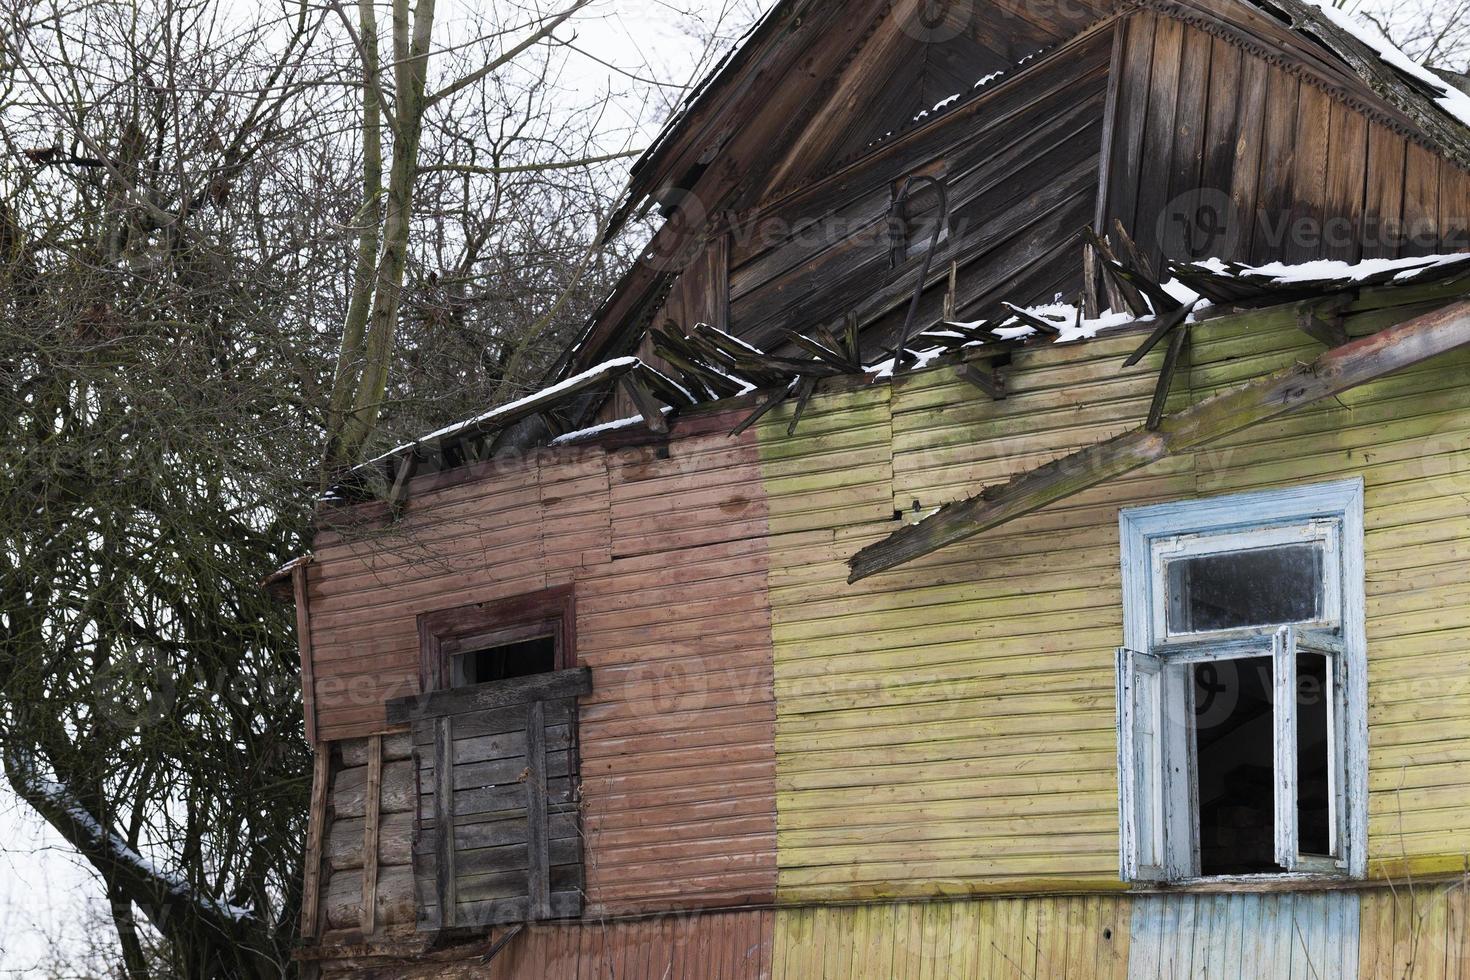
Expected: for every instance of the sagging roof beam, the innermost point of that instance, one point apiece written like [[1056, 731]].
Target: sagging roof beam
[[1368, 359]]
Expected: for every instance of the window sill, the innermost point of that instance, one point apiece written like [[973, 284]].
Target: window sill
[[1284, 882]]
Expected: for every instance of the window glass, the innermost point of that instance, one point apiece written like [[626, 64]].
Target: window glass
[[1235, 589]]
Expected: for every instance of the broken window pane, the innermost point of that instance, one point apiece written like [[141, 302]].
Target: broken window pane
[[524, 658], [1314, 762], [1235, 755], [1262, 587]]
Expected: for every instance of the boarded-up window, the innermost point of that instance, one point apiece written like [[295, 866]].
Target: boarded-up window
[[494, 734]]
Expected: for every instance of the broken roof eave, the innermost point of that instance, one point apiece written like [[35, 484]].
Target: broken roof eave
[[1416, 339], [721, 374], [1407, 98]]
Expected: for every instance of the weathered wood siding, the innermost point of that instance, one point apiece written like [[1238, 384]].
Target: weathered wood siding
[[676, 741], [724, 945], [1021, 165], [1081, 937], [1264, 163], [677, 760], [513, 528], [951, 725], [1381, 934], [1299, 936]]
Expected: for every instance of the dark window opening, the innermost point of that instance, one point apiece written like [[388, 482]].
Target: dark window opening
[[523, 658], [1235, 755], [1314, 755], [1235, 589]]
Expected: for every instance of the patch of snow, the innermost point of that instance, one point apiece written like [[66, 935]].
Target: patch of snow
[[1454, 102], [545, 394], [60, 797], [1336, 270], [602, 429], [1182, 293], [1090, 328]]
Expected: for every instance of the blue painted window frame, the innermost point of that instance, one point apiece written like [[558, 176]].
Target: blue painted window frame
[[1139, 528]]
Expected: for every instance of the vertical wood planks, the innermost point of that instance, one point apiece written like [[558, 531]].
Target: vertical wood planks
[[1309, 176], [1186, 168], [371, 815], [444, 821], [1159, 135], [311, 892], [1383, 205], [1347, 170], [1454, 208], [984, 938], [1272, 936], [1132, 85], [1250, 122], [538, 875], [1278, 161], [1421, 201], [1308, 182]]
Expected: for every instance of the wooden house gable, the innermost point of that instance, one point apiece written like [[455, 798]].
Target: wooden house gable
[[800, 189]]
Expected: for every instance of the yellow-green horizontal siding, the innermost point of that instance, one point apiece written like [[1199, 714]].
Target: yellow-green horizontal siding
[[1415, 932], [949, 726]]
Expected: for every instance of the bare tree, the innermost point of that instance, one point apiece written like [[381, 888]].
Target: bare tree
[[1435, 33], [192, 206]]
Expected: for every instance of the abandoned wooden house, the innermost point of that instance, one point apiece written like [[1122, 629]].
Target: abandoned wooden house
[[1013, 521]]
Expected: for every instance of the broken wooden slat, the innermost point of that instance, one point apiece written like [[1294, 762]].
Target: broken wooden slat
[[1128, 254], [538, 874], [311, 891], [987, 379], [665, 387], [1122, 296], [854, 343], [818, 350], [1167, 324], [766, 406], [647, 405], [444, 819], [1091, 301], [804, 394], [1338, 370], [1323, 320], [1166, 378], [1040, 324], [371, 811]]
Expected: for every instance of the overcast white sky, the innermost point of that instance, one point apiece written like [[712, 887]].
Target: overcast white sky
[[43, 887]]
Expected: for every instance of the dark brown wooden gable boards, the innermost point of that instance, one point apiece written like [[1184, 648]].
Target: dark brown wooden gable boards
[[1021, 168], [1310, 175]]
